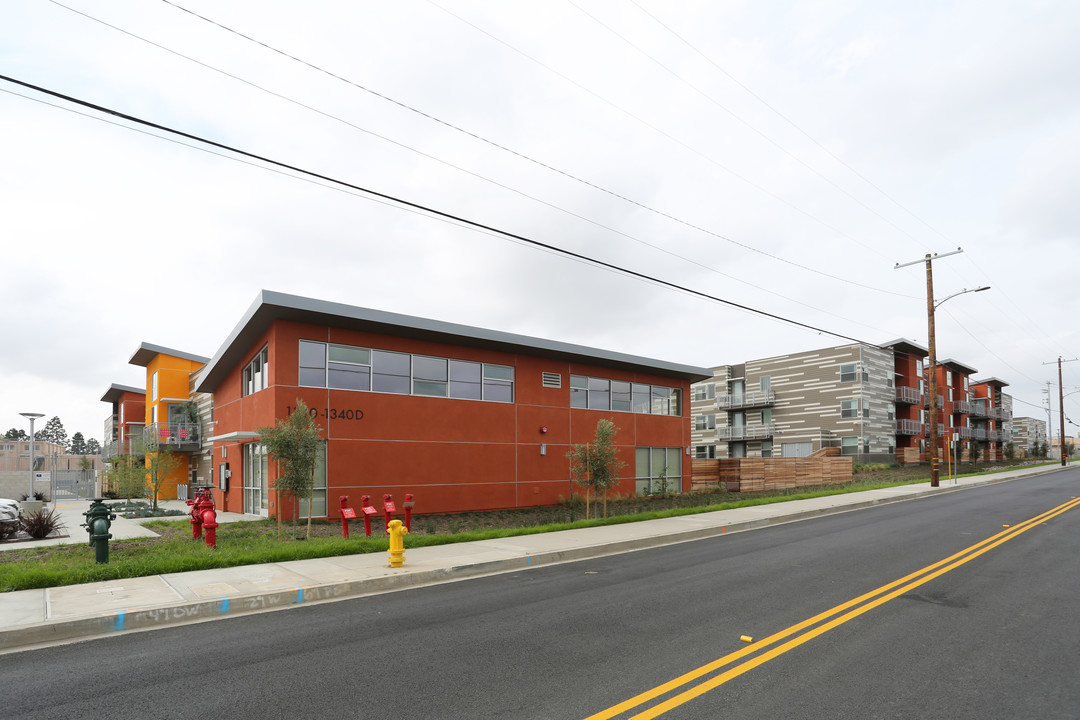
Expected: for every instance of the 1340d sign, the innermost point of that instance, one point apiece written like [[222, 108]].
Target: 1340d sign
[[330, 413]]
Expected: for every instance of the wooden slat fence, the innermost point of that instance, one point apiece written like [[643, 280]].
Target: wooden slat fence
[[756, 474]]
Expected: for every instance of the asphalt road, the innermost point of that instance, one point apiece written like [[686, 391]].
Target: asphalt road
[[992, 637]]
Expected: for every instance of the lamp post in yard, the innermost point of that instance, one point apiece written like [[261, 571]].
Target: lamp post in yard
[[931, 306], [32, 417]]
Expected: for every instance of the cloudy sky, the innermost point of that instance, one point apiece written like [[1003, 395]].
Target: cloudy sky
[[779, 155]]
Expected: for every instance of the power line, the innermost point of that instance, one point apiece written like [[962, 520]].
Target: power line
[[668, 136], [744, 122], [426, 209], [516, 153]]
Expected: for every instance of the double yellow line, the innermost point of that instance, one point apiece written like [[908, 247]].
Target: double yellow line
[[839, 614]]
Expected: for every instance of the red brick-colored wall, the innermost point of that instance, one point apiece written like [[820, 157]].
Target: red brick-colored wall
[[453, 455]]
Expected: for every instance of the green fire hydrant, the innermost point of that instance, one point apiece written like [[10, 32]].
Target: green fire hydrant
[[98, 521]]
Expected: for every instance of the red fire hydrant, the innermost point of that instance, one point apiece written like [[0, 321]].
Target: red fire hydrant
[[368, 511], [408, 505], [203, 516], [347, 513]]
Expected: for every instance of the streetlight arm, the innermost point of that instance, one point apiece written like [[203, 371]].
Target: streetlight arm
[[950, 297]]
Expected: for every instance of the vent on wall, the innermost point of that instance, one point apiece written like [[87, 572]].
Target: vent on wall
[[552, 380]]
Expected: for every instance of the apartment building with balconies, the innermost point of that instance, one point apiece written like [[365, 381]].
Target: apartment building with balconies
[[869, 401], [797, 404], [1025, 432], [123, 431]]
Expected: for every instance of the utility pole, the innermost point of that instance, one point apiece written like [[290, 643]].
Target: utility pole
[[932, 384], [1061, 408]]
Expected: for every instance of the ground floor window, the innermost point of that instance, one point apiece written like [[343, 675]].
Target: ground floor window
[[849, 445], [318, 488], [705, 452], [658, 470], [766, 448], [256, 479]]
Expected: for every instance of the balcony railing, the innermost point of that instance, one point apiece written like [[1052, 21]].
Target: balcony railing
[[979, 409], [940, 402], [997, 413], [909, 427], [908, 395], [963, 407], [182, 436], [134, 446], [978, 434], [965, 432], [732, 433], [750, 398]]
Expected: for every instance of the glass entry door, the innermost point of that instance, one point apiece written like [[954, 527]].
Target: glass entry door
[[256, 480]]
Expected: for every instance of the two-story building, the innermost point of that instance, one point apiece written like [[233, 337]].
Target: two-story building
[[464, 418]]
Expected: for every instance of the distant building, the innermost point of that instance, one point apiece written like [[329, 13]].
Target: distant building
[[1028, 431], [867, 401]]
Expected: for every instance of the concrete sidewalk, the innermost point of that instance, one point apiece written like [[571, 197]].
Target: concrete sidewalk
[[30, 618]]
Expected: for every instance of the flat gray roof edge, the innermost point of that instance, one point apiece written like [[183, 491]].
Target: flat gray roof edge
[[270, 306], [147, 351], [956, 363], [114, 391], [991, 381]]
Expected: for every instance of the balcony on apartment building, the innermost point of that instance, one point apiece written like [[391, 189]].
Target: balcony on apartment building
[[979, 409], [963, 407], [732, 433], [748, 399], [116, 448], [909, 395], [940, 402], [964, 432], [998, 414], [909, 427], [177, 436]]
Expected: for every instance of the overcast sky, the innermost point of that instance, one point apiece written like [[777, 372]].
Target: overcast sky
[[780, 155]]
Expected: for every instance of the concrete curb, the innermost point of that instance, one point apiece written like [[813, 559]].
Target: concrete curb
[[189, 611]]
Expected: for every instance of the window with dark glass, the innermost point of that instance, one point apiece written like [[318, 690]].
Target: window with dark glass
[[390, 372], [429, 376], [312, 363], [348, 368], [498, 383]]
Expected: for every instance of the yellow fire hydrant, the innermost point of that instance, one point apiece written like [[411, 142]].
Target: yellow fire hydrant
[[397, 531]]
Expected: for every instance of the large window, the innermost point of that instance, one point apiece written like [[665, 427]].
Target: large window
[[705, 422], [849, 408], [705, 452], [705, 391], [318, 488], [345, 367], [257, 372], [603, 394], [656, 466], [849, 445]]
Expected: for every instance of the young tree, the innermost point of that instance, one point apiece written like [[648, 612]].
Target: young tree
[[595, 465], [159, 469], [93, 447], [975, 452], [294, 444], [16, 434], [127, 477], [1010, 451], [78, 444]]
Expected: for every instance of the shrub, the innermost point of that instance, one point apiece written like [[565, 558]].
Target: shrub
[[38, 495], [9, 530], [41, 524]]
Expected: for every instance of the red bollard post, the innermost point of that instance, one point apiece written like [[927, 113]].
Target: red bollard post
[[388, 509], [408, 505], [368, 511], [347, 513]]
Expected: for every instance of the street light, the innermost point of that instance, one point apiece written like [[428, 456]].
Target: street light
[[930, 307], [32, 417]]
